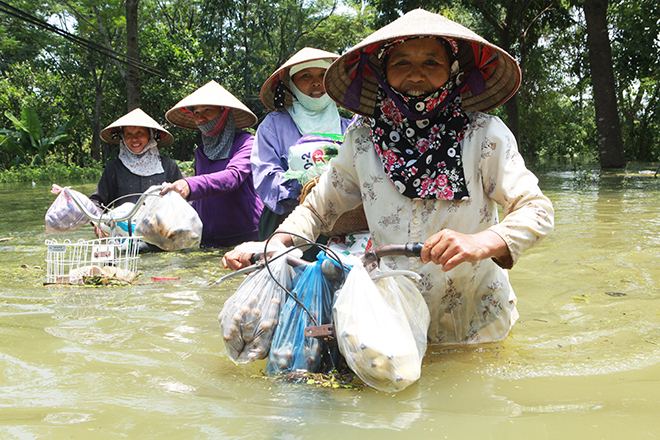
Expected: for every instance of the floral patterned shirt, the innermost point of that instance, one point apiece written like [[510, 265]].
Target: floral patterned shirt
[[473, 302]]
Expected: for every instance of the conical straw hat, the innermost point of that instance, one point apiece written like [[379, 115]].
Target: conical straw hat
[[282, 74], [136, 118], [210, 94], [352, 85]]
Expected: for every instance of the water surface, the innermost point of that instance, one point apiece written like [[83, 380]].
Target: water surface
[[148, 361]]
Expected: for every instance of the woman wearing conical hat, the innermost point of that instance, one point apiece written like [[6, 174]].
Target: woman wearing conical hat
[[295, 95], [429, 166], [222, 191], [139, 165]]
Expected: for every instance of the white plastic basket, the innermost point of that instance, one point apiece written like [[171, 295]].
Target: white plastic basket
[[70, 263]]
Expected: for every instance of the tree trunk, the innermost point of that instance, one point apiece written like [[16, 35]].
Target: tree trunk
[[96, 128], [610, 140], [94, 118], [133, 51]]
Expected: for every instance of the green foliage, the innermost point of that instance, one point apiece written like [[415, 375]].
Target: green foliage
[[187, 167], [635, 48], [248, 39], [52, 171], [27, 141], [556, 112], [18, 44], [239, 43], [339, 32]]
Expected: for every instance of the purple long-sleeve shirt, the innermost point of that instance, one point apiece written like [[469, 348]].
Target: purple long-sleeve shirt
[[270, 160], [224, 197]]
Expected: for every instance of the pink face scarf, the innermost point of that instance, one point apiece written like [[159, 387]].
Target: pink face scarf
[[419, 138], [218, 135]]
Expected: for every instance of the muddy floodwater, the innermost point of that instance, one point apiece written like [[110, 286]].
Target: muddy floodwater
[[148, 361]]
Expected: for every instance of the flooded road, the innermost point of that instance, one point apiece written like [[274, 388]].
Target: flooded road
[[148, 361]]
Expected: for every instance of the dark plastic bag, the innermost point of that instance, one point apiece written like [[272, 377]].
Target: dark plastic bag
[[291, 350], [250, 316]]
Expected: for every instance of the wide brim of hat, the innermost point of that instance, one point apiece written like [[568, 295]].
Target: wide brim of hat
[[304, 55], [211, 93], [136, 118], [503, 83]]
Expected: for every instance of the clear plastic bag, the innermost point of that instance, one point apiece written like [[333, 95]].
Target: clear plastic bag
[[250, 316], [381, 329], [309, 156], [169, 222], [353, 243], [64, 215], [291, 349], [121, 228], [403, 296]]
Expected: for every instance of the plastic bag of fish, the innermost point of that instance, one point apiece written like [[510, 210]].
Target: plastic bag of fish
[[291, 349], [64, 215], [169, 222], [250, 316], [381, 329]]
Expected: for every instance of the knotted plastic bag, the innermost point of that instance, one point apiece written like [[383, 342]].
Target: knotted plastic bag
[[250, 316], [169, 222], [291, 350], [381, 329], [64, 215]]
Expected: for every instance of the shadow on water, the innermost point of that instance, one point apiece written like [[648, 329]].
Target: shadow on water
[[148, 360]]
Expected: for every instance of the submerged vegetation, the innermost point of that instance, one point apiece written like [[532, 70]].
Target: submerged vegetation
[[333, 379]]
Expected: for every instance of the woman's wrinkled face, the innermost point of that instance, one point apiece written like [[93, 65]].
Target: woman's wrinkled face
[[310, 81], [205, 113], [136, 138], [418, 67]]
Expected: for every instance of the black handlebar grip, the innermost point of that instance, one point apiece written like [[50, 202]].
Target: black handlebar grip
[[414, 249], [255, 257]]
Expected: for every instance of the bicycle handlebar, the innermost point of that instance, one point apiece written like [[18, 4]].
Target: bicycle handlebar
[[109, 217], [370, 260]]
